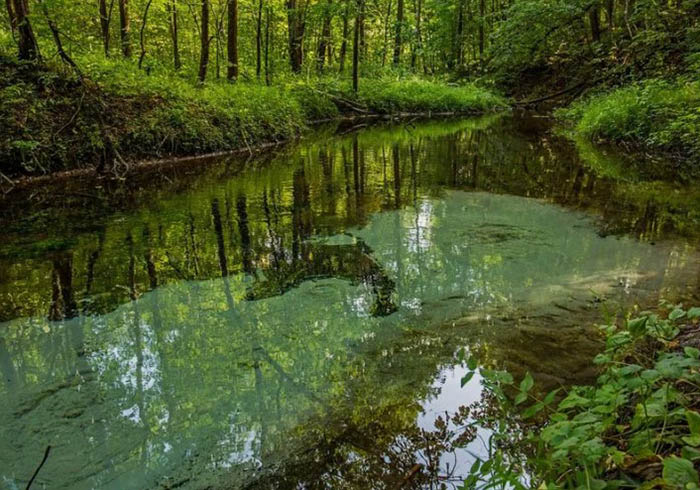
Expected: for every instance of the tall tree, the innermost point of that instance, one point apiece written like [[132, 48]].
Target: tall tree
[[204, 43], [398, 37], [594, 18], [26, 41], [356, 47], [11, 16], [172, 9], [296, 25], [258, 40], [125, 27], [142, 32], [105, 18], [344, 43], [324, 41], [232, 40]]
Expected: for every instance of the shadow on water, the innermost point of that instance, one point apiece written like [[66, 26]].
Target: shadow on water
[[293, 320]]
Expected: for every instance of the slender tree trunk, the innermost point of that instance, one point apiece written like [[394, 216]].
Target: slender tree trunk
[[611, 15], [172, 7], [459, 36], [28, 47], [482, 15], [232, 73], [324, 42], [398, 39], [142, 39], [387, 33], [594, 18], [267, 46], [104, 25], [57, 40], [418, 47], [356, 47], [258, 41], [204, 43], [124, 27], [344, 44]]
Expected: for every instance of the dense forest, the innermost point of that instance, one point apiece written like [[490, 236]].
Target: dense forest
[[154, 77]]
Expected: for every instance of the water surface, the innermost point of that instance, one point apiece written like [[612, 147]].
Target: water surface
[[293, 320]]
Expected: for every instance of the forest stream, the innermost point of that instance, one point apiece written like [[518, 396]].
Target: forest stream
[[293, 320]]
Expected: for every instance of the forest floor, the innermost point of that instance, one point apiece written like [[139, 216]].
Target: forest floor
[[113, 117]]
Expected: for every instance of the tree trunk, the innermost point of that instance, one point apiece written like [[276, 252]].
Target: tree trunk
[[142, 40], [398, 41], [459, 36], [172, 7], [124, 27], [104, 25], [232, 41], [28, 47], [258, 41], [57, 41], [594, 18], [204, 43], [482, 15], [11, 16], [324, 42], [296, 26], [387, 29], [418, 48], [356, 47], [267, 46], [611, 15], [344, 44]]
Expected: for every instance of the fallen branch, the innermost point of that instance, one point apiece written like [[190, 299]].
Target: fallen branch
[[36, 472], [556, 94]]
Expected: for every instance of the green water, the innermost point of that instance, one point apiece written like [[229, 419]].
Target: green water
[[292, 320]]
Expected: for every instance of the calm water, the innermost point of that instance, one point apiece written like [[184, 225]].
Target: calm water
[[292, 321]]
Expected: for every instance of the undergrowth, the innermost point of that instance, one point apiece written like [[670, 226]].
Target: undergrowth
[[638, 426], [653, 114], [50, 121]]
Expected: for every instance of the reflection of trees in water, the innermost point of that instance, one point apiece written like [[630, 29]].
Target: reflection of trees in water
[[285, 204]]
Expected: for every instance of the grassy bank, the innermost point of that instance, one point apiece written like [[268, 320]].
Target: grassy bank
[[51, 121], [638, 426], [653, 114]]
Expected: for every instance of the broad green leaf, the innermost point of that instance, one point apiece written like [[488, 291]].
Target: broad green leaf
[[679, 472], [466, 378], [676, 314], [527, 383], [693, 419]]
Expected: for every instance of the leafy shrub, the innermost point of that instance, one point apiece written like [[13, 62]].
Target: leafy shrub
[[638, 425]]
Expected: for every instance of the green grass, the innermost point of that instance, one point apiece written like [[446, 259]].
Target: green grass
[[49, 122], [653, 114]]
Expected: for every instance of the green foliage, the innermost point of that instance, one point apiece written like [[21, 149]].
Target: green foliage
[[654, 113], [51, 122], [638, 425]]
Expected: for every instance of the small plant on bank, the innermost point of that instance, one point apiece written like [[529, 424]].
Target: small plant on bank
[[638, 426]]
